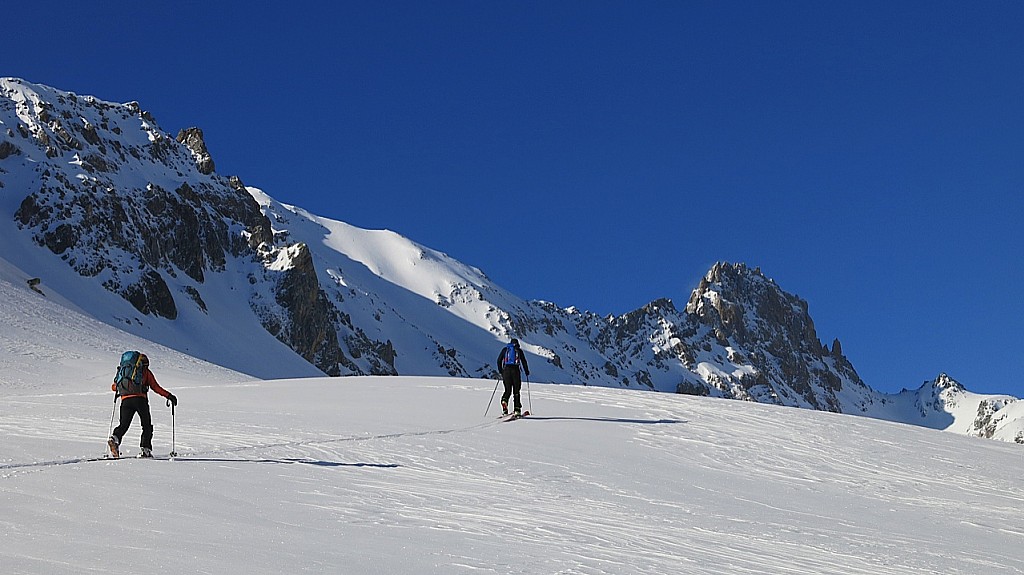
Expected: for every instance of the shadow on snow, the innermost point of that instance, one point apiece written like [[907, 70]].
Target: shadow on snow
[[607, 420], [287, 461]]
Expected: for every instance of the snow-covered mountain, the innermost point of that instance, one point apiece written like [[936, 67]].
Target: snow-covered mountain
[[101, 207]]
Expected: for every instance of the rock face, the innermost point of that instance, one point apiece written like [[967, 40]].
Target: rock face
[[193, 140], [771, 333], [187, 229], [303, 318]]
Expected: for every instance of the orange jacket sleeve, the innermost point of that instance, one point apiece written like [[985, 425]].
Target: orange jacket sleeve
[[150, 380]]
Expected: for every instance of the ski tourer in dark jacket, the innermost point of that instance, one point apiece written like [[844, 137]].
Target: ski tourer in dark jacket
[[510, 359]]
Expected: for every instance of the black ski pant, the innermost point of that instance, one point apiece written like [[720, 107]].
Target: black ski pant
[[129, 407], [513, 381]]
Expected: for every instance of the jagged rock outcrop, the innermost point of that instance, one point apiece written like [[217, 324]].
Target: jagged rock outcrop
[[7, 148], [744, 319], [308, 324], [193, 139], [190, 229]]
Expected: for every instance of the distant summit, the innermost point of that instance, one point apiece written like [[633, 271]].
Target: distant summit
[[770, 336], [137, 228]]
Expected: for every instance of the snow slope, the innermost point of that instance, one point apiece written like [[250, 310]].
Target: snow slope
[[407, 475], [443, 316]]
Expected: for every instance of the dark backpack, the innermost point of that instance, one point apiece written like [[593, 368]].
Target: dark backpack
[[130, 374]]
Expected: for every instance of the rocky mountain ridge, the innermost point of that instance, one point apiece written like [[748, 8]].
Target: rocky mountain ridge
[[102, 188]]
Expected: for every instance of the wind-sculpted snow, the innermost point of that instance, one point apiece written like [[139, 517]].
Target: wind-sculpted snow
[[407, 475]]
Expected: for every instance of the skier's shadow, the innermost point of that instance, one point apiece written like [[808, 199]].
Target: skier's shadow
[[607, 420], [288, 461]]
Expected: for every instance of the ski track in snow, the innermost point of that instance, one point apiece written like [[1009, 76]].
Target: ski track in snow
[[360, 480]]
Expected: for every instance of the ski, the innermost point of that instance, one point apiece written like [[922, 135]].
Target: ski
[[116, 454], [514, 416], [131, 458]]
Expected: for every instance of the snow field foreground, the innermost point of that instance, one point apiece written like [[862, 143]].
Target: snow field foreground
[[406, 475]]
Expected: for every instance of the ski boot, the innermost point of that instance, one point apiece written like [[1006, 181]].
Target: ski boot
[[115, 447]]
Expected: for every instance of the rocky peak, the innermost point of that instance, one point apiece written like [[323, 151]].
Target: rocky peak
[[837, 349], [944, 383], [193, 139], [746, 307], [769, 335]]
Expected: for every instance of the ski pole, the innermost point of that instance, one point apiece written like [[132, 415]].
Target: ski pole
[[173, 452], [112, 412], [529, 398], [492, 396]]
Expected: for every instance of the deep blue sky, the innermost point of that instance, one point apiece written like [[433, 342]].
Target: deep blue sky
[[868, 156]]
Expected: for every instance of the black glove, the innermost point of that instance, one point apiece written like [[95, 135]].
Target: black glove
[[172, 399], [527, 373]]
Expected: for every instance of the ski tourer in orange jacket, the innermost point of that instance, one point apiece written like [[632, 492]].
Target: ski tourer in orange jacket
[[134, 400]]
